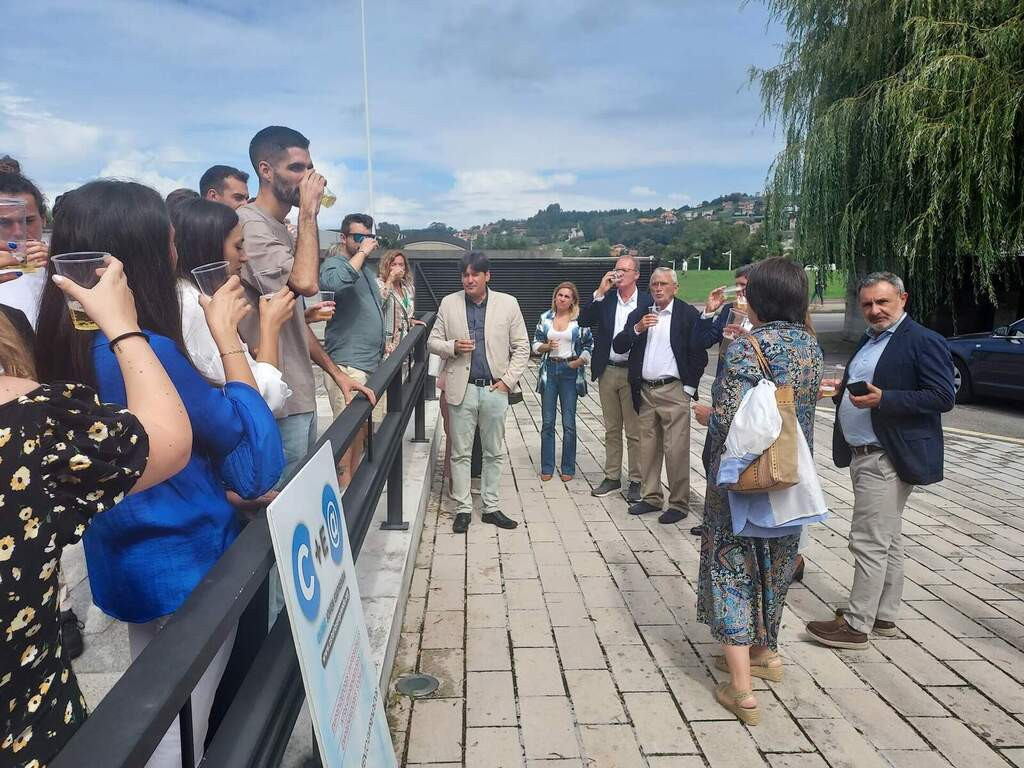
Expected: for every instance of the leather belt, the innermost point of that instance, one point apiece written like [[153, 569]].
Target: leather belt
[[659, 382], [864, 450], [553, 359], [617, 364], [481, 382]]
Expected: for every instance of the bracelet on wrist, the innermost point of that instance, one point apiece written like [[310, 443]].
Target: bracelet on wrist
[[232, 352], [123, 336]]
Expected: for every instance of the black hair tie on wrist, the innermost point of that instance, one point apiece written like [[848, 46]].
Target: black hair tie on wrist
[[128, 335]]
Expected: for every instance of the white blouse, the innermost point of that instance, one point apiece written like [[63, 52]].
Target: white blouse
[[206, 356], [561, 342]]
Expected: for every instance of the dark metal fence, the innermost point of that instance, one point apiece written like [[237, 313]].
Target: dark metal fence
[[261, 693]]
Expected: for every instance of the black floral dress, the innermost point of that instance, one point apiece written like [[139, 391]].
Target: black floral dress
[[743, 581], [63, 458]]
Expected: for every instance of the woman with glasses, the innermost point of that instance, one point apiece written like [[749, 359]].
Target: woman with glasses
[[565, 349]]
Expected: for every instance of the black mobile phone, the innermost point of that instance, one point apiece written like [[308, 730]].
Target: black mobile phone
[[858, 388]]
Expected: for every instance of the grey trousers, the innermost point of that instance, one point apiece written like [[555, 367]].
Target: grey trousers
[[619, 415], [876, 541]]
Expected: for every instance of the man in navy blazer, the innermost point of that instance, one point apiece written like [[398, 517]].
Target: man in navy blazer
[[891, 439], [606, 316], [665, 365]]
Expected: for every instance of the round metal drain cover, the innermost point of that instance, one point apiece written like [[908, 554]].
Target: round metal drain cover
[[417, 686]]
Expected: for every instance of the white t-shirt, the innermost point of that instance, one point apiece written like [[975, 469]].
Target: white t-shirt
[[25, 294], [561, 342]]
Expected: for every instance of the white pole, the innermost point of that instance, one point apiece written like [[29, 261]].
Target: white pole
[[366, 111]]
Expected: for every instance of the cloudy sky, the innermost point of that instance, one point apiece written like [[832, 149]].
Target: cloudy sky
[[480, 110]]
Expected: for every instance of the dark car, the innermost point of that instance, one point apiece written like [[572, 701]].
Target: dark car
[[990, 364]]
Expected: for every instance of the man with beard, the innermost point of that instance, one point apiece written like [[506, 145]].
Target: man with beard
[[283, 166]]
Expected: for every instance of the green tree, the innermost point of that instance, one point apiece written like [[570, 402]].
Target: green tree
[[904, 126], [600, 249]]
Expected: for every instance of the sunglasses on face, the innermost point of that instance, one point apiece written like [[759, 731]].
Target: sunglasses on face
[[359, 237]]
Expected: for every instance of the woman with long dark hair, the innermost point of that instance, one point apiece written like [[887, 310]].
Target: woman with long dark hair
[[207, 232], [64, 459], [147, 554]]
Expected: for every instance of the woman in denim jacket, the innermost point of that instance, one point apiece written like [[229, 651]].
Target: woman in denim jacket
[[565, 348]]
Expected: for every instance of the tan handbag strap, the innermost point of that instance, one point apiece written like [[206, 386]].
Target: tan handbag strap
[[766, 370]]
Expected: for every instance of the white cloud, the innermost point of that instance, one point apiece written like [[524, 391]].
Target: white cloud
[[640, 191], [39, 138], [141, 167]]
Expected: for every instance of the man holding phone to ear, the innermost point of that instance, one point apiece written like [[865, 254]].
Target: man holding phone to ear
[[888, 431]]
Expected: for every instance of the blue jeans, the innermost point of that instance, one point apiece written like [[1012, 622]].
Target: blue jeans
[[559, 386], [298, 435]]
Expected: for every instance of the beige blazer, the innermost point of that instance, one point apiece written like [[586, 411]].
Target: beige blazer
[[508, 346]]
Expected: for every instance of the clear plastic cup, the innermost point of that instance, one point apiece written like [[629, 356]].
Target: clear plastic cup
[[830, 384], [653, 310], [326, 309], [81, 268], [265, 278], [328, 198], [736, 325], [210, 277]]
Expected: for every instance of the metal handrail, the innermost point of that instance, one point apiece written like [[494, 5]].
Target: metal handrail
[[134, 715]]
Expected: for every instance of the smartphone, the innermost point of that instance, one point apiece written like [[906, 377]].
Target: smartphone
[[858, 388]]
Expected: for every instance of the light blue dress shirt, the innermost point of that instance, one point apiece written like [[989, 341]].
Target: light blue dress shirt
[[856, 422]]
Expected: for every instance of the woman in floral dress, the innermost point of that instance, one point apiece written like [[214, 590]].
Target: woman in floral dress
[[743, 581], [64, 457]]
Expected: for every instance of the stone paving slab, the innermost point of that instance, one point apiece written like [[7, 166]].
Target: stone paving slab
[[573, 640]]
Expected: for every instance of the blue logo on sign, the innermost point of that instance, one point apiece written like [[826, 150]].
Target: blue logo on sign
[[333, 520], [307, 585]]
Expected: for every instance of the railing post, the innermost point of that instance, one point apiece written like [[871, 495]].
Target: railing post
[[420, 356], [397, 468]]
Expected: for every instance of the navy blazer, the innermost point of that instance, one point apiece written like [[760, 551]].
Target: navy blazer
[[915, 374], [599, 316], [691, 356]]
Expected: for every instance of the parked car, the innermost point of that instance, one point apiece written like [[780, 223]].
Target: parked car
[[990, 364]]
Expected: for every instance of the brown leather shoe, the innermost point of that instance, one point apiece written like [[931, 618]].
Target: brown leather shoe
[[880, 628], [545, 478], [837, 634]]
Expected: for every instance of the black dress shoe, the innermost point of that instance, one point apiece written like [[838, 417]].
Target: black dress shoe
[[697, 530], [670, 516], [633, 493], [71, 634], [607, 486], [462, 521], [498, 519], [642, 508]]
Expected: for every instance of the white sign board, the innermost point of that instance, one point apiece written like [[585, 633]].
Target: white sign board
[[318, 577]]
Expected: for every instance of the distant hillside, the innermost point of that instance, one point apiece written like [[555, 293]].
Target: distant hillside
[[732, 222]]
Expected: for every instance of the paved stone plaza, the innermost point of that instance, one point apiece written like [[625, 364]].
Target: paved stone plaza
[[573, 641]]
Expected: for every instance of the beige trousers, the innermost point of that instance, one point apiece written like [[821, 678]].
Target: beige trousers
[[876, 541], [337, 399], [618, 412], [665, 436]]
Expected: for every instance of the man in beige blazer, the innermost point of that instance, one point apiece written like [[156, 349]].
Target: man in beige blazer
[[481, 336]]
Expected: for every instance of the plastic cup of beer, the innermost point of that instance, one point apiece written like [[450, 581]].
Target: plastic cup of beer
[[210, 277], [265, 279], [80, 268], [328, 199], [830, 384], [12, 230], [326, 309], [735, 325]]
